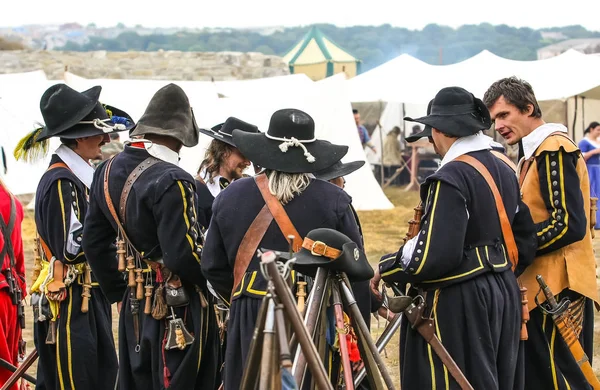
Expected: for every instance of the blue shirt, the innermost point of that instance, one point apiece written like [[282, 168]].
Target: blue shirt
[[363, 134]]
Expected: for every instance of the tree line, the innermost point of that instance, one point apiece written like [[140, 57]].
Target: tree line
[[374, 45]]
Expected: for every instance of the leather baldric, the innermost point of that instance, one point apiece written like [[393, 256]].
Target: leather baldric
[[255, 233], [283, 220], [507, 232], [133, 176], [131, 179]]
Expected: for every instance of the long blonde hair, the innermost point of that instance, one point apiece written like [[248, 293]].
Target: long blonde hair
[[284, 186]]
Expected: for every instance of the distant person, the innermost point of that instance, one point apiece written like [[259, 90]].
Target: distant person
[[416, 129], [590, 150], [392, 154], [362, 132]]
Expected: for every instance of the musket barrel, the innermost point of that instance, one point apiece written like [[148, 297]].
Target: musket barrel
[[287, 299]]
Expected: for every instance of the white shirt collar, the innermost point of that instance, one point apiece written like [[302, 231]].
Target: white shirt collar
[[464, 145], [81, 168], [534, 139], [161, 152], [215, 186]]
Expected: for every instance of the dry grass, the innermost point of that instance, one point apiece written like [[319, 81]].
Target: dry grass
[[383, 231]]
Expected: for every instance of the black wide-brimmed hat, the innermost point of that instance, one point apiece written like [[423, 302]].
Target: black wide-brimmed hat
[[223, 132], [71, 114], [169, 114], [289, 145], [339, 169], [328, 248], [453, 111]]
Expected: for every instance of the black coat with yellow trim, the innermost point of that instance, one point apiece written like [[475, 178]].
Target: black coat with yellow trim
[[161, 222], [460, 259], [60, 196], [84, 354], [460, 235], [160, 219], [320, 205]]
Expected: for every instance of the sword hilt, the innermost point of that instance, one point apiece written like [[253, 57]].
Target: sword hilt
[[555, 308]]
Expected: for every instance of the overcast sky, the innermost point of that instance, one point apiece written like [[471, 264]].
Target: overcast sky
[[413, 14]]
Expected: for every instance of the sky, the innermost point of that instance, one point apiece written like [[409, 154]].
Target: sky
[[412, 14]]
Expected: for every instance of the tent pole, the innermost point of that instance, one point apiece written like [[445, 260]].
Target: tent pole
[[574, 117], [381, 142], [582, 114]]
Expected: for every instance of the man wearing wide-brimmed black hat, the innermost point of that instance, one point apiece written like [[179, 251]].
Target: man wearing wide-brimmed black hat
[[72, 317], [223, 163], [460, 261], [290, 153], [167, 329]]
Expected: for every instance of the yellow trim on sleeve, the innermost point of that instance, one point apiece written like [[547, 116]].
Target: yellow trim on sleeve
[[187, 222], [431, 220], [563, 202]]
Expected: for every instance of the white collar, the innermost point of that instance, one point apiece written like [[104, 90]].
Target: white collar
[[534, 139], [76, 164], [464, 145], [161, 152], [215, 186]]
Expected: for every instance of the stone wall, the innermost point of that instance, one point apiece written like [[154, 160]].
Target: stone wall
[[159, 65]]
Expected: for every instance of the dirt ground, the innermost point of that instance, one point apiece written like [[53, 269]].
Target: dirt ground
[[383, 231]]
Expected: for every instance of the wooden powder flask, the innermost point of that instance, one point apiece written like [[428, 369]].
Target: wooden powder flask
[[37, 260], [148, 294], [131, 270], [121, 255], [415, 223], [524, 311], [87, 288], [139, 280]]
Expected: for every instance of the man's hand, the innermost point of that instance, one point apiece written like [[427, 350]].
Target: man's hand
[[119, 305], [375, 285]]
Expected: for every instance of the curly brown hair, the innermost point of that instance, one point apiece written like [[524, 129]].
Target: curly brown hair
[[216, 154], [517, 92]]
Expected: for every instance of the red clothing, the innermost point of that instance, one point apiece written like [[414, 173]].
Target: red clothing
[[10, 332]]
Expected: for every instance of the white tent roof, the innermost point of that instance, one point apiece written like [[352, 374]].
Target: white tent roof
[[133, 96], [19, 111], [406, 79], [327, 103], [255, 101]]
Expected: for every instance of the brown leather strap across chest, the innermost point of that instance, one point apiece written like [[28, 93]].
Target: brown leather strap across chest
[[272, 209], [507, 233], [132, 178]]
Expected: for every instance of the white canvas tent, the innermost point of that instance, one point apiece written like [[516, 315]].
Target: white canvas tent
[[332, 113], [19, 111], [255, 101], [406, 79]]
